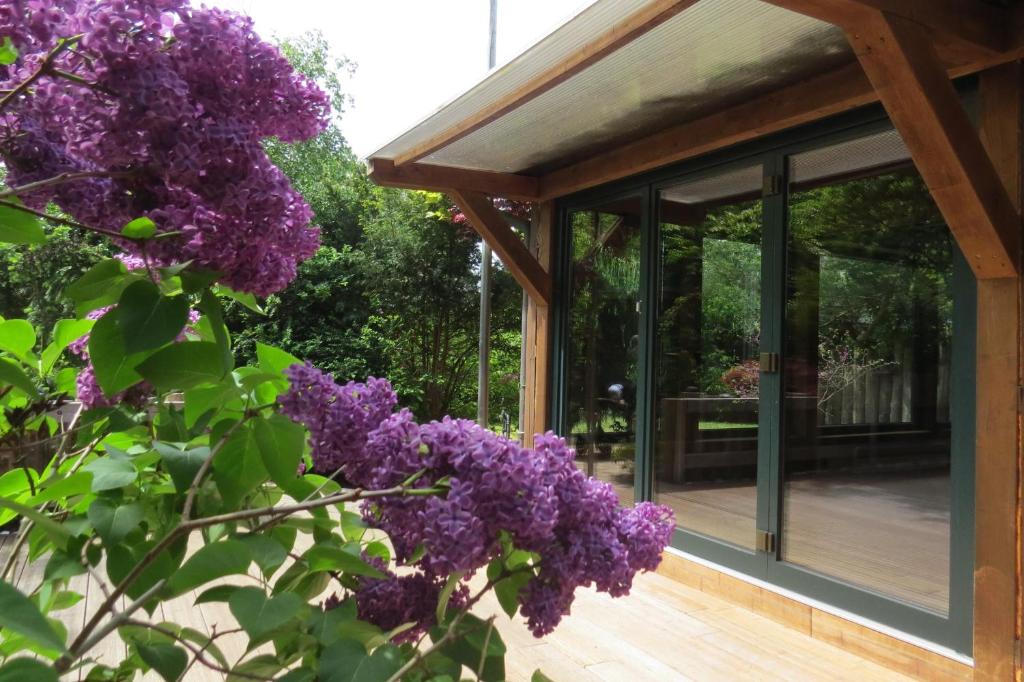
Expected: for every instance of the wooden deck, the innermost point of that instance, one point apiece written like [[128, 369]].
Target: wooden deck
[[663, 631]]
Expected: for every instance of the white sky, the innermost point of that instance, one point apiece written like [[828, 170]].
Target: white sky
[[412, 55]]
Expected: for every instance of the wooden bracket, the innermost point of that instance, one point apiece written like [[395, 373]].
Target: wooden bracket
[[962, 30], [902, 64], [495, 230]]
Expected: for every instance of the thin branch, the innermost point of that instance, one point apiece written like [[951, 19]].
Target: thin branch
[[197, 652], [80, 647], [60, 179], [57, 220], [40, 71], [184, 529], [197, 480]]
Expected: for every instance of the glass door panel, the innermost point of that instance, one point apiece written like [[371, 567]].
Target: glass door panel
[[866, 445], [603, 326], [707, 349]]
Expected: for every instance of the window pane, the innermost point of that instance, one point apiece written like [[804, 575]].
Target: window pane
[[867, 367], [603, 342], [708, 334]]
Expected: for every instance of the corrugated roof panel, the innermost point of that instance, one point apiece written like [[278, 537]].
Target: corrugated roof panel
[[712, 55]]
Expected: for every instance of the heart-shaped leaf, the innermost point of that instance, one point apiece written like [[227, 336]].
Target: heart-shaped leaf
[[259, 615]]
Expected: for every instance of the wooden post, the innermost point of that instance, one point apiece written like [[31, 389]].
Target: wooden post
[[996, 575], [538, 330]]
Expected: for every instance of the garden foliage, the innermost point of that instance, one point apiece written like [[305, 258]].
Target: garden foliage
[[343, 535]]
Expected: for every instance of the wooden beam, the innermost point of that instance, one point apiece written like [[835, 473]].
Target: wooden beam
[[537, 341], [961, 28], [642, 20], [815, 98], [493, 227], [997, 448], [904, 68], [439, 178]]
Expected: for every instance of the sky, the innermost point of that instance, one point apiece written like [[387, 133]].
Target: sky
[[412, 56]]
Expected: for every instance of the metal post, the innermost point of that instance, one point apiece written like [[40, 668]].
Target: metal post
[[483, 375]]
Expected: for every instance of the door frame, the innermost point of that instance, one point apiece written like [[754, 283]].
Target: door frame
[[954, 630]]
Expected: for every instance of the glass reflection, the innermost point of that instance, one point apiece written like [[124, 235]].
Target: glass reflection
[[708, 339], [603, 342], [866, 376]]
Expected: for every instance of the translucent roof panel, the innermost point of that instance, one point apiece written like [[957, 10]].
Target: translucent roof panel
[[592, 21], [861, 154], [739, 182], [714, 54]]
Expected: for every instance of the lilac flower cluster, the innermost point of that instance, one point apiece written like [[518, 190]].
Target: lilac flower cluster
[[495, 488], [164, 106]]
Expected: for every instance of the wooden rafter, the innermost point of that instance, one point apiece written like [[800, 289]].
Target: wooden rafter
[[641, 21], [440, 178], [961, 28], [493, 227], [903, 66]]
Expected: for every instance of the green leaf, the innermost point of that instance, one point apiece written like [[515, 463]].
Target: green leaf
[[113, 365], [8, 52], [263, 667], [20, 227], [17, 337], [507, 591], [229, 557], [329, 558], [538, 676], [99, 286], [19, 614], [140, 228], [182, 465], [347, 661], [167, 659], [248, 300], [113, 522], [199, 401], [60, 565], [209, 305], [237, 468], [274, 360], [148, 320], [183, 365], [110, 473], [12, 374], [218, 593], [281, 442], [259, 615], [21, 669], [468, 647], [64, 333], [57, 533], [446, 594], [267, 552]]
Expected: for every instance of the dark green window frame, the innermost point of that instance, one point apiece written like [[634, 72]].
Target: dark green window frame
[[954, 631]]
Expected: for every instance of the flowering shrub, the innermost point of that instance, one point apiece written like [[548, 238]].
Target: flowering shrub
[[142, 120]]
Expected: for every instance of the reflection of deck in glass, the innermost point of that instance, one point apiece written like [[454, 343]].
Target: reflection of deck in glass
[[887, 533]]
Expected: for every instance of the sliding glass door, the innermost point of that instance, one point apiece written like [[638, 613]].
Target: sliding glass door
[[781, 349]]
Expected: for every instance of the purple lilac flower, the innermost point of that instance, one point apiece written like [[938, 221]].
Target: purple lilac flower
[[397, 600], [495, 488], [169, 127]]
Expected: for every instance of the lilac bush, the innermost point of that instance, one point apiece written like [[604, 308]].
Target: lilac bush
[[143, 120], [159, 111]]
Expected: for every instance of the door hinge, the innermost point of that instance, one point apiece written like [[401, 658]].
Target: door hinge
[[770, 362], [772, 186], [765, 541]]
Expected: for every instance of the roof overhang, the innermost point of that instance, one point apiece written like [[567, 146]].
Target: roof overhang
[[629, 85]]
